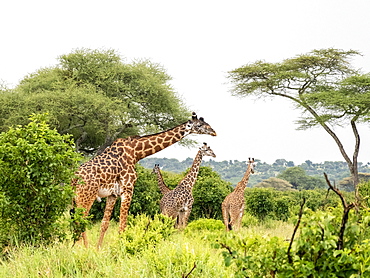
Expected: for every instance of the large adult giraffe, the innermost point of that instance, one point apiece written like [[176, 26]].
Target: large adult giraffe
[[178, 202], [116, 165], [233, 205]]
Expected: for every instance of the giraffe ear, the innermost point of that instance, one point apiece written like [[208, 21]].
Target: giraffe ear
[[194, 116]]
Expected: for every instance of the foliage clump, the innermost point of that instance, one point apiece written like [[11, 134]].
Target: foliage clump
[[209, 192], [97, 97], [36, 165], [313, 254], [143, 232], [205, 224]]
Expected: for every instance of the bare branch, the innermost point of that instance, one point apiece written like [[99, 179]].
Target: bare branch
[[295, 230], [187, 275], [346, 209]]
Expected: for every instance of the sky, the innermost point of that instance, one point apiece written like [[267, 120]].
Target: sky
[[198, 43]]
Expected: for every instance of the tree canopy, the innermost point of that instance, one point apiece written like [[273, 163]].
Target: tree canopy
[[300, 180], [276, 183], [322, 83], [97, 97]]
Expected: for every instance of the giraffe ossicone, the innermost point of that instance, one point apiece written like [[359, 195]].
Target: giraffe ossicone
[[112, 173]]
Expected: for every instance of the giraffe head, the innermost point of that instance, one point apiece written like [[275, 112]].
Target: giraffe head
[[199, 126], [252, 164], [156, 169], [206, 151]]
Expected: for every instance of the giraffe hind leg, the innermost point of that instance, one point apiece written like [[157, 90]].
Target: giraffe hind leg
[[226, 218], [111, 200]]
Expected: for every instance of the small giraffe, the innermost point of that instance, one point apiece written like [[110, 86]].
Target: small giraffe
[[178, 202], [116, 165], [233, 205], [162, 186]]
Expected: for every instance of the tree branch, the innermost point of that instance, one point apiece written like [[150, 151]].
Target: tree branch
[[295, 230], [187, 275], [355, 156], [346, 209]]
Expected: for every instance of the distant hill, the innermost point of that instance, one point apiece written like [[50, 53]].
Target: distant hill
[[233, 170]]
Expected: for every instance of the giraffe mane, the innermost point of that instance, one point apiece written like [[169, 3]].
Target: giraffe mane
[[154, 134]]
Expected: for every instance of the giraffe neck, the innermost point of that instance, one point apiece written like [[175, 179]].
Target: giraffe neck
[[189, 180], [151, 144], [162, 186], [243, 183]]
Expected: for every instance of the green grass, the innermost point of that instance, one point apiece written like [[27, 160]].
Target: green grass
[[173, 256]]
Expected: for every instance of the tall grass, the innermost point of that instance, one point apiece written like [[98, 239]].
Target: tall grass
[[172, 256]]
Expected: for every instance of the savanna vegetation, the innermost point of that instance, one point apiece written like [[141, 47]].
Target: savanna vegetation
[[233, 171], [293, 225]]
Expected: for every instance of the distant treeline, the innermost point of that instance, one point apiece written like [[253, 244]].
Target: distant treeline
[[233, 170]]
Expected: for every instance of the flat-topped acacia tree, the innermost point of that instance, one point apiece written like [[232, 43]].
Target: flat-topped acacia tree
[[322, 83]]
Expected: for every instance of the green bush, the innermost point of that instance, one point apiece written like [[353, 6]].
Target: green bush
[[249, 220], [36, 166], [143, 232], [282, 208], [260, 202], [364, 189], [204, 224], [209, 192], [314, 252]]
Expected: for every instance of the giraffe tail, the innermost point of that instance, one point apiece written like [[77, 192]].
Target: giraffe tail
[[73, 203], [72, 213]]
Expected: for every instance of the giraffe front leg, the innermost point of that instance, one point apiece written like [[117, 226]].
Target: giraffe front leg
[[111, 200], [240, 218], [185, 216], [127, 190], [126, 198], [125, 205], [180, 219]]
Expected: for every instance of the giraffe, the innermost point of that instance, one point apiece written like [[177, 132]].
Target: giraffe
[[162, 186], [116, 165], [178, 202], [233, 205]]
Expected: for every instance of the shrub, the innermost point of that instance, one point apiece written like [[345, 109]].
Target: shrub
[[143, 232], [364, 189], [204, 224], [313, 254], [249, 220], [282, 209], [209, 192], [260, 202], [36, 165]]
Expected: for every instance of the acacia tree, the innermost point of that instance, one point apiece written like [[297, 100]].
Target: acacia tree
[[322, 83], [96, 96]]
